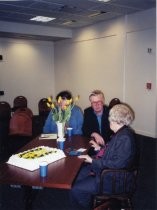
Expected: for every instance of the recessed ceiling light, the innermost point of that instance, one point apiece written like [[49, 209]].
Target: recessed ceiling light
[[69, 22], [104, 0], [97, 13], [42, 19]]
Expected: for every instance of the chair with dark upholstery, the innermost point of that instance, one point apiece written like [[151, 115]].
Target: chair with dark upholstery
[[39, 121], [19, 102], [5, 110], [43, 108], [122, 189], [5, 115], [21, 122], [20, 129], [113, 102]]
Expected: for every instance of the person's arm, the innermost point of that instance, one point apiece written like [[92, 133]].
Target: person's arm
[[98, 138], [79, 121], [120, 155], [86, 158], [76, 120], [88, 123], [50, 125], [95, 145]]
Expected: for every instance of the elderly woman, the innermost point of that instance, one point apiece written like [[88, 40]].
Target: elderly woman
[[119, 154]]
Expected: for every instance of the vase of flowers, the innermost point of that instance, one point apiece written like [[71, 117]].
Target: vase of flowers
[[61, 129], [61, 112]]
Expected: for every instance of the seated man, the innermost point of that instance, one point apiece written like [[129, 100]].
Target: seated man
[[75, 121], [119, 154], [96, 124]]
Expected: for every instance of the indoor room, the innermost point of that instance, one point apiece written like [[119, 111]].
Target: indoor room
[[89, 45]]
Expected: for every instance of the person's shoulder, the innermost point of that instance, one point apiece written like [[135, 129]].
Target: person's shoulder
[[77, 108], [106, 110], [49, 114], [106, 107], [130, 131], [88, 109], [127, 131]]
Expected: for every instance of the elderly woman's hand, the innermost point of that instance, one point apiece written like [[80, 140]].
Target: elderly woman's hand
[[94, 145], [99, 139], [86, 158]]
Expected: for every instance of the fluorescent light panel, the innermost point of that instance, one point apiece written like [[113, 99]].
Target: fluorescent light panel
[[69, 22], [104, 0], [42, 19], [96, 14]]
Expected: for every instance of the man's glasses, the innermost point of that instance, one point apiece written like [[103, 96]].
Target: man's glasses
[[94, 103]]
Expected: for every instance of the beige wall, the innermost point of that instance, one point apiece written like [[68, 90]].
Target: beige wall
[[139, 70], [111, 56], [98, 58], [27, 69]]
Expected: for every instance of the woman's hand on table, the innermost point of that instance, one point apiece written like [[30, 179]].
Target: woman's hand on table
[[86, 158]]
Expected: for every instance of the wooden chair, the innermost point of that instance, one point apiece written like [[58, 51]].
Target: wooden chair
[[19, 102], [43, 108], [5, 115], [26, 111], [113, 102], [39, 121], [21, 122], [122, 190], [5, 110]]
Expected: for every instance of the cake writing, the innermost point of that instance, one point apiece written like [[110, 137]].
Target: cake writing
[[36, 153]]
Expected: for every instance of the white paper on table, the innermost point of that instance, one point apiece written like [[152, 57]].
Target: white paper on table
[[81, 150], [48, 136]]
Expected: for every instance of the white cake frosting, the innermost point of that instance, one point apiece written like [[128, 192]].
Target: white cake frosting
[[31, 159]]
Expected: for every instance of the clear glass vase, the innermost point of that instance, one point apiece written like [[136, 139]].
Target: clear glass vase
[[60, 129]]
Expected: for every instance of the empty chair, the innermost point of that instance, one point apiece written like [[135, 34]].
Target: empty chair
[[21, 122], [113, 102], [26, 111], [5, 111], [5, 115], [43, 108], [39, 121], [19, 102]]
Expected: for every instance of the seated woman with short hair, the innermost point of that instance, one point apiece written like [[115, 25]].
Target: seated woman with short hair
[[75, 121], [119, 154]]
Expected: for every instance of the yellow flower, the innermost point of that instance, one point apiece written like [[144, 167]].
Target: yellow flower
[[77, 98], [68, 102], [59, 99], [48, 104], [49, 99], [52, 106], [64, 107], [59, 113]]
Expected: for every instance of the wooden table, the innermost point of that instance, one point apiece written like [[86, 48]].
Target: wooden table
[[61, 174]]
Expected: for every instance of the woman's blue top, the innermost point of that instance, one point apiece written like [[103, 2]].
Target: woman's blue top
[[75, 121]]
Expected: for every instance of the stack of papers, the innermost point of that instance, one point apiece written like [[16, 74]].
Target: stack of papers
[[48, 136]]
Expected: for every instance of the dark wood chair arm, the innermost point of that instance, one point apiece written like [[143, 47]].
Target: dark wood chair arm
[[114, 173]]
